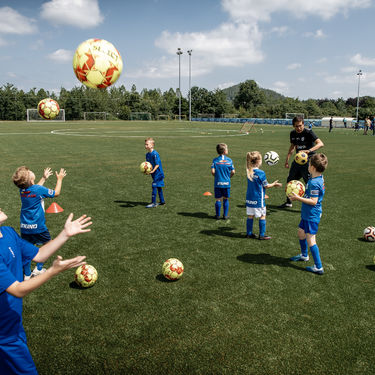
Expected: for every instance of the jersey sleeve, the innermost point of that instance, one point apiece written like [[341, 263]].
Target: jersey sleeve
[[263, 178], [315, 189], [213, 164], [27, 249], [45, 192], [314, 137], [156, 159]]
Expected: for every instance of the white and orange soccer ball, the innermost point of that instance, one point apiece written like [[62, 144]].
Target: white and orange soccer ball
[[86, 276], [172, 269], [296, 187], [145, 167], [48, 108], [97, 63], [301, 158], [369, 234]]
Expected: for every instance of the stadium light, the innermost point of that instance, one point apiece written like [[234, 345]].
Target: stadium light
[[359, 80], [179, 53], [189, 52]]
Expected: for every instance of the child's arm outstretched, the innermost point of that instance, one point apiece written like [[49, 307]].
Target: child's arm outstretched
[[310, 201], [46, 173], [275, 183], [59, 177], [71, 228]]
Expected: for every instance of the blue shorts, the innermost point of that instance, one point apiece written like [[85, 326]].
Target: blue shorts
[[158, 183], [222, 192], [37, 238], [15, 358], [310, 227]]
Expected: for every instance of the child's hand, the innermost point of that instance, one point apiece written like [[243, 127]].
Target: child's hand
[[61, 174], [77, 226], [277, 183], [293, 196], [47, 172], [60, 265]]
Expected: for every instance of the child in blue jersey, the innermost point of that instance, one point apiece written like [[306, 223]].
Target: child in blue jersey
[[311, 213], [157, 173], [15, 357], [255, 196], [223, 170], [33, 222]]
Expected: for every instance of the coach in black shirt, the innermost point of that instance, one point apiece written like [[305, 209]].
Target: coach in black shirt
[[301, 139]]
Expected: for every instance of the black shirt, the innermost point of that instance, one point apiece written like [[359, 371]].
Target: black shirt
[[304, 140]]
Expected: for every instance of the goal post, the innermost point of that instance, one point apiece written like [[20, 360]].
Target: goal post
[[32, 115], [180, 117], [94, 116], [140, 116], [248, 127], [164, 117]]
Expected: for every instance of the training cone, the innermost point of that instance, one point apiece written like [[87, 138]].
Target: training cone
[[207, 193], [54, 208]]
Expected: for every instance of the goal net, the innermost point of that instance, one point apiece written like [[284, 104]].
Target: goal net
[[230, 115], [94, 116], [164, 117], [140, 116], [32, 115], [291, 115], [178, 117], [248, 127]]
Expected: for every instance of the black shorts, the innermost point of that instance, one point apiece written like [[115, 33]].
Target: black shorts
[[37, 239], [297, 171]]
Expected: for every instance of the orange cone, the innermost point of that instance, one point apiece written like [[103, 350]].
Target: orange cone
[[54, 208], [207, 193]]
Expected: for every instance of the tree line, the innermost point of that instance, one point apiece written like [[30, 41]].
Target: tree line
[[248, 100]]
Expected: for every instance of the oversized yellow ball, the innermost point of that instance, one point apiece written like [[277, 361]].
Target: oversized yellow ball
[[145, 167], [296, 187], [86, 276], [172, 269], [97, 63], [48, 108]]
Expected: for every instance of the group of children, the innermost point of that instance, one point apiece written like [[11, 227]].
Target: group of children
[[223, 170]]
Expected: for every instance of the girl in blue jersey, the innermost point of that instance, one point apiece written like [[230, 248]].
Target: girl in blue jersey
[[33, 222], [157, 173], [255, 196], [311, 213]]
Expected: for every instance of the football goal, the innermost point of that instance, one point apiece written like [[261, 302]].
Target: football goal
[[230, 115], [178, 117], [248, 127], [32, 115], [164, 117], [94, 116], [140, 116], [206, 115]]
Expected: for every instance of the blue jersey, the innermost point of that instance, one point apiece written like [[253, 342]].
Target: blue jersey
[[314, 189], [32, 210], [223, 167], [158, 176], [256, 189], [14, 254]]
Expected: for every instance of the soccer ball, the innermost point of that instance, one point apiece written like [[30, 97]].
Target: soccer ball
[[86, 276], [48, 108], [145, 167], [296, 187], [97, 63], [301, 158], [173, 269], [271, 157], [369, 234]]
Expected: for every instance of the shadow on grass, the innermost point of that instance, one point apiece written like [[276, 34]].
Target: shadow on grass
[[199, 215], [74, 285], [371, 267], [222, 231], [129, 204], [289, 210], [268, 259], [163, 279], [363, 240]]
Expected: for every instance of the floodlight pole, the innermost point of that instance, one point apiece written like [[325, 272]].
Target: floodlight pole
[[189, 52], [359, 80], [179, 53]]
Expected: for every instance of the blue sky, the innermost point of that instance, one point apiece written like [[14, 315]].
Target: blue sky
[[299, 48]]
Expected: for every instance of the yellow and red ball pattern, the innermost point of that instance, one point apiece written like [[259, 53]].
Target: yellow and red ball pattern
[[97, 63], [172, 269], [145, 167], [296, 187], [48, 108], [86, 276]]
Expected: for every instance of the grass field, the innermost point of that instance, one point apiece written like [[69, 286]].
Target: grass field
[[241, 307]]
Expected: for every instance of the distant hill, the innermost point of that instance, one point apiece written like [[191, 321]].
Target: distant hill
[[271, 95]]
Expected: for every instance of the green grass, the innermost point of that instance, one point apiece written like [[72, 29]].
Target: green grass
[[241, 307]]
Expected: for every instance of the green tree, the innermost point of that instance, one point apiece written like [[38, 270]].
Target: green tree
[[249, 95]]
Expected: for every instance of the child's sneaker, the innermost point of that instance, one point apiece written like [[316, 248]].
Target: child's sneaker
[[26, 277], [313, 269], [225, 217], [151, 205], [252, 235], [299, 258], [37, 272], [262, 238]]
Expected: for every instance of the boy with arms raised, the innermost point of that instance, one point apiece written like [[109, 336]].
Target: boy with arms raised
[[223, 170], [311, 213], [15, 252]]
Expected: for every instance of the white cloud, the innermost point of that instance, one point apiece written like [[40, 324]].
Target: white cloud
[[241, 10], [280, 86], [13, 22], [322, 60], [349, 69], [70, 12], [225, 85], [61, 55], [294, 66], [318, 34], [280, 31], [358, 59]]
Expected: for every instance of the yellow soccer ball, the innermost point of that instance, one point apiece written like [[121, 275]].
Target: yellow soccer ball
[[172, 269], [97, 63], [86, 276], [301, 157], [48, 108], [296, 187], [145, 167]]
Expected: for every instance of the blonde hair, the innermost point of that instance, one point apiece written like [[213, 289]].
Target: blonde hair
[[252, 161], [151, 140], [21, 177]]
